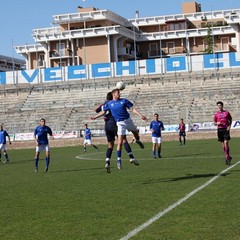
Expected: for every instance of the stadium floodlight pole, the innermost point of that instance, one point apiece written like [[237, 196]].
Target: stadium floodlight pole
[[160, 46], [37, 67], [135, 47], [84, 48], [187, 52], [13, 64], [213, 43]]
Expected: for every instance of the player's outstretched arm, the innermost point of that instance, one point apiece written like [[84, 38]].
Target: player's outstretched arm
[[100, 114], [139, 114]]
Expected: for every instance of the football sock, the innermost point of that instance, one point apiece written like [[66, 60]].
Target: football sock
[[119, 154], [47, 161], [0, 155], [154, 153], [6, 156], [180, 140], [107, 161], [109, 153], [36, 162], [137, 138], [128, 149], [95, 146], [226, 150], [159, 152], [184, 140]]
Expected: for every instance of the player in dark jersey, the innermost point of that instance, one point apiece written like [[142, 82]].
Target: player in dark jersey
[[182, 132], [111, 133], [223, 121]]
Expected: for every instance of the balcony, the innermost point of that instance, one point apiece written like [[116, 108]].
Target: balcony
[[65, 53], [125, 51]]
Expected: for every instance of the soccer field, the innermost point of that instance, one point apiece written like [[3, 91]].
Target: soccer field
[[77, 199]]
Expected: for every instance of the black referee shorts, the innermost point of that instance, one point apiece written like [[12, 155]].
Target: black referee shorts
[[223, 134]]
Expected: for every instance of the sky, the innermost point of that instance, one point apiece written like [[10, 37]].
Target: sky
[[19, 17]]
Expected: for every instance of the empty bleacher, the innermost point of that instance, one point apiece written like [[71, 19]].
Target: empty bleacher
[[68, 105]]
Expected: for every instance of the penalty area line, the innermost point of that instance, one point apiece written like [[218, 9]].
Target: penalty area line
[[179, 202]]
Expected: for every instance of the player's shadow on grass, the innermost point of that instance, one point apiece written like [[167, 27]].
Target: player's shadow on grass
[[20, 161], [187, 155], [75, 170], [187, 177]]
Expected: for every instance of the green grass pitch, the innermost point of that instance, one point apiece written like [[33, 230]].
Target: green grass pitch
[[77, 199]]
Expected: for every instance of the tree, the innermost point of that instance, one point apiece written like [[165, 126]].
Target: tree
[[208, 40]]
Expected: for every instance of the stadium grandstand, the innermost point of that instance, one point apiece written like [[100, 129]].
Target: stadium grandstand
[[67, 106], [166, 71], [10, 63]]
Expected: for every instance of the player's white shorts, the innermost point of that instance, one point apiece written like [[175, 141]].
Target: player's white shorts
[[156, 140], [126, 125], [3, 147], [87, 141], [43, 148]]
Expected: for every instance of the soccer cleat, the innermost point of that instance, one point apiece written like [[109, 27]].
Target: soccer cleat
[[228, 160], [159, 156], [154, 156], [119, 164], [6, 161], [135, 162], [36, 170], [107, 166], [140, 143], [46, 169]]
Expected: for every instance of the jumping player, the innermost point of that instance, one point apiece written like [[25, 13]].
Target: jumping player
[[223, 121], [111, 133], [118, 107]]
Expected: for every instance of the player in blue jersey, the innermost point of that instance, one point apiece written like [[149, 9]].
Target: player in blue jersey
[[3, 141], [119, 109], [156, 127], [41, 133], [111, 133], [88, 138]]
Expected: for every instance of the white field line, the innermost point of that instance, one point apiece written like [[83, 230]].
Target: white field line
[[150, 158], [180, 201]]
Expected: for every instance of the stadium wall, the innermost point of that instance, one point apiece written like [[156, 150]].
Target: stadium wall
[[195, 63]]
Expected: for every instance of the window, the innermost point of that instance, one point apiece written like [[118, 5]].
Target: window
[[61, 49], [62, 64], [171, 27], [153, 49], [170, 47], [41, 60], [176, 26], [225, 43]]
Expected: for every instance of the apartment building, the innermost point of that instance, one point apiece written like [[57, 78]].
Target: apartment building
[[92, 36], [11, 64]]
